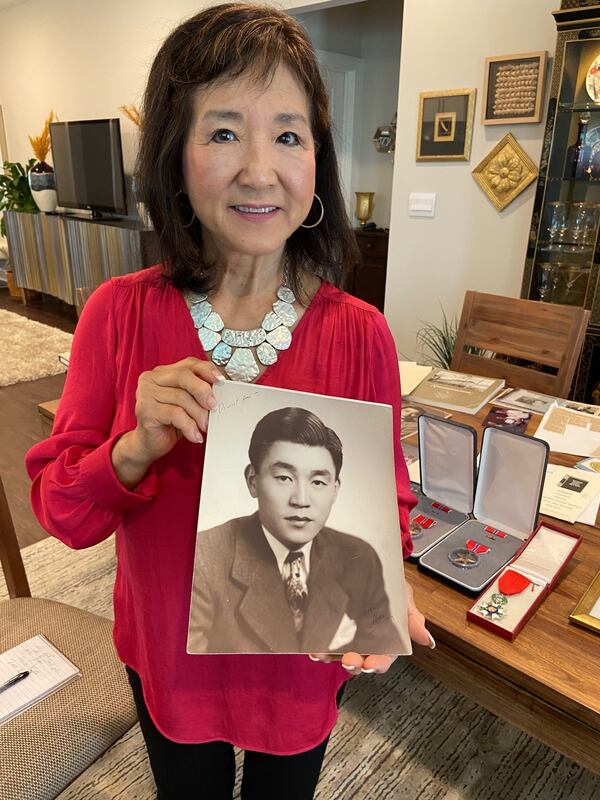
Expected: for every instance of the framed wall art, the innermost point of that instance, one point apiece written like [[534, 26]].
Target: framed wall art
[[505, 172], [587, 610], [445, 127], [513, 88]]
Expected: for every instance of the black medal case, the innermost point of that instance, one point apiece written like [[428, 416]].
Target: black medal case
[[447, 463], [512, 468]]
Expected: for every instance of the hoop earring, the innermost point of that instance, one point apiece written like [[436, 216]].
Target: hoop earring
[[191, 222], [318, 222]]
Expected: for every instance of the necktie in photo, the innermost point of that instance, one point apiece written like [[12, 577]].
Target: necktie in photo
[[295, 589]]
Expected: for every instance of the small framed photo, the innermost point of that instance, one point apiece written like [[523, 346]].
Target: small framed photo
[[445, 126], [587, 610], [514, 88]]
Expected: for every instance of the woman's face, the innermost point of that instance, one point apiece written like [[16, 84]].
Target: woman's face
[[250, 148]]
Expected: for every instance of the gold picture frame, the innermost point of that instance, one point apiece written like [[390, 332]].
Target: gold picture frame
[[581, 613], [456, 106], [444, 126], [505, 172], [513, 89]]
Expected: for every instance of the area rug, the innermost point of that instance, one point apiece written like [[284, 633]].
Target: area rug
[[29, 350], [401, 736]]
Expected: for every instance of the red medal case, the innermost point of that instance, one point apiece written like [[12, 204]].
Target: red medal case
[[541, 562]]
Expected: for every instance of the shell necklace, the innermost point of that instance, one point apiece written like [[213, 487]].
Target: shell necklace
[[232, 349]]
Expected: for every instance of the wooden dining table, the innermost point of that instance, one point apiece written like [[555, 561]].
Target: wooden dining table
[[547, 681]]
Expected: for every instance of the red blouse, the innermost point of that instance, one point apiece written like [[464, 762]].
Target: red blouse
[[281, 704]]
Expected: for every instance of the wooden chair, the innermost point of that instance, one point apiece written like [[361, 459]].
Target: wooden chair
[[547, 334], [46, 747]]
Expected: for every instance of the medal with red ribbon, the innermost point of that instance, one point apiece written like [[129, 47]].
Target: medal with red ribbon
[[440, 507], [494, 533], [512, 582], [419, 524], [476, 547], [509, 583]]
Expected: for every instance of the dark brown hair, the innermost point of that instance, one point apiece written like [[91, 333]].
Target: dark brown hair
[[296, 425], [223, 42]]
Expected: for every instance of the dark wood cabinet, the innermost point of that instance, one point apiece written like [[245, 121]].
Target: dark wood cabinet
[[562, 264], [368, 279]]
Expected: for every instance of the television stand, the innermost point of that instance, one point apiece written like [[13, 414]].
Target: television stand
[[104, 215], [56, 254]]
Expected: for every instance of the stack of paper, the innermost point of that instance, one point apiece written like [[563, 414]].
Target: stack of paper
[[571, 494], [456, 391], [411, 375], [411, 456], [570, 431], [46, 671]]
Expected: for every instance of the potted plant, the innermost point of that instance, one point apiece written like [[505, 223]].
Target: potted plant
[[41, 176], [436, 342], [15, 195]]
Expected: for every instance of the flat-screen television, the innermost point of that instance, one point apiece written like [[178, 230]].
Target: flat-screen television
[[88, 165]]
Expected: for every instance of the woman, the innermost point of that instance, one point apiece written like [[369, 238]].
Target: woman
[[238, 171]]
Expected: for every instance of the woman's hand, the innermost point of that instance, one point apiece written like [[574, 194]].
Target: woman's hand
[[357, 664], [171, 401]]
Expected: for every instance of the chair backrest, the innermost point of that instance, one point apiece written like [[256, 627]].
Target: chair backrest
[[10, 555], [540, 333]]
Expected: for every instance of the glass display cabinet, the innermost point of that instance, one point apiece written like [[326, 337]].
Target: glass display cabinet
[[563, 254]]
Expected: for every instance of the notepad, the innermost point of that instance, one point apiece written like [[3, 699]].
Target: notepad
[[48, 671]]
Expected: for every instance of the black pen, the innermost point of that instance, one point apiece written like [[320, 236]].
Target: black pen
[[21, 676]]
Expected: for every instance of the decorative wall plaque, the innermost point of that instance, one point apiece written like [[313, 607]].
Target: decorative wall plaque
[[505, 172]]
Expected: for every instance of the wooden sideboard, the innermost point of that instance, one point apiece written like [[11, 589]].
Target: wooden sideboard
[[56, 253], [368, 279]]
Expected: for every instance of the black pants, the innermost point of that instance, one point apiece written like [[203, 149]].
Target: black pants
[[207, 771]]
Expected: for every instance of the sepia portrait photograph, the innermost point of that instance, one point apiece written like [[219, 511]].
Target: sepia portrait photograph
[[298, 547]]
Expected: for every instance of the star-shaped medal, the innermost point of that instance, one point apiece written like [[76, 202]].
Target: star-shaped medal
[[491, 610]]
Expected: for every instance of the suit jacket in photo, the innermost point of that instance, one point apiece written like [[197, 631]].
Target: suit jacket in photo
[[239, 603]]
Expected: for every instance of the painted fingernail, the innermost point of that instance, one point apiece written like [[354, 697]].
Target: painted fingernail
[[351, 670], [431, 641], [368, 671], [199, 438], [212, 402], [219, 378], [312, 658]]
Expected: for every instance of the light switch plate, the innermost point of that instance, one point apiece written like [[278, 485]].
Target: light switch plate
[[421, 204]]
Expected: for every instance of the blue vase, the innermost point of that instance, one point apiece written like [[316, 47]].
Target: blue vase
[[43, 186]]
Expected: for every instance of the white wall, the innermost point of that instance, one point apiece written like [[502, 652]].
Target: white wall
[[370, 31], [468, 245], [84, 60]]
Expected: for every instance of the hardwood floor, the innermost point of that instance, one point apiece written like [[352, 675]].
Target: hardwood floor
[[19, 421]]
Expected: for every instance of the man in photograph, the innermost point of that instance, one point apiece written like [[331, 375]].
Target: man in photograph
[[279, 580]]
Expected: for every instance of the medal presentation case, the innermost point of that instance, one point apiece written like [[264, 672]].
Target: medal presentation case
[[447, 463], [510, 480], [521, 587]]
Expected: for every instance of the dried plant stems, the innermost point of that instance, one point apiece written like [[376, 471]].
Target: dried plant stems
[[41, 144], [132, 113]]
